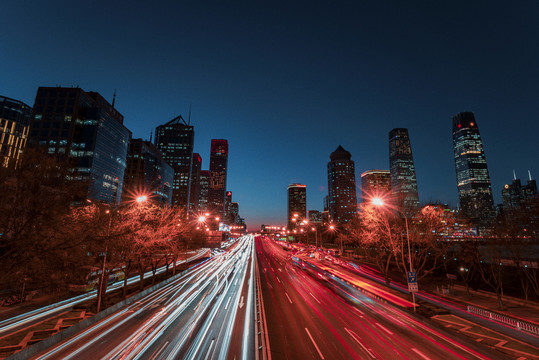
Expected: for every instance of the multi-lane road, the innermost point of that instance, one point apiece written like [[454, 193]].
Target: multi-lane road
[[205, 314], [312, 316]]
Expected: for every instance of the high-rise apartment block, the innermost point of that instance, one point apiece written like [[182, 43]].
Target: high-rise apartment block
[[147, 173], [473, 180], [341, 186], [194, 192], [297, 204], [402, 171], [376, 184], [84, 127], [14, 127], [204, 189], [175, 139], [218, 174]]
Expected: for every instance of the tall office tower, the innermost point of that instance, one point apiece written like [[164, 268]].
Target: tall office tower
[[473, 181], [234, 213], [228, 201], [83, 126], [376, 184], [218, 172], [194, 193], [341, 186], [297, 204], [14, 127], [315, 217], [175, 139], [147, 173], [402, 171], [204, 189]]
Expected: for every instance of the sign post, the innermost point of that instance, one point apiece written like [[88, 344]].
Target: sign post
[[412, 284]]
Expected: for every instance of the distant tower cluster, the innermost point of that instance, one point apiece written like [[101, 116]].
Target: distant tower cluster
[[521, 204], [297, 204], [402, 171], [473, 181], [341, 186]]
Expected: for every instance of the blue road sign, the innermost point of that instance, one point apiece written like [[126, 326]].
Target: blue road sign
[[412, 278]]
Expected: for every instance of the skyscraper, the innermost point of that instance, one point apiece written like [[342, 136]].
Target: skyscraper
[[297, 204], [402, 171], [341, 186], [147, 173], [228, 200], [194, 193], [175, 139], [204, 189], [83, 126], [218, 173], [376, 183], [473, 181], [14, 127]]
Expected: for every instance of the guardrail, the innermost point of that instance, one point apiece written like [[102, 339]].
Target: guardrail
[[262, 349], [518, 324]]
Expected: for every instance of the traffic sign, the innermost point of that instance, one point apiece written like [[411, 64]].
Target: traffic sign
[[412, 278], [412, 287]]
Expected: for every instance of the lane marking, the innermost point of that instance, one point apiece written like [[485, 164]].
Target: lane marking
[[278, 279], [314, 297], [383, 328], [356, 338], [288, 297], [226, 306], [160, 349], [316, 346], [420, 354]]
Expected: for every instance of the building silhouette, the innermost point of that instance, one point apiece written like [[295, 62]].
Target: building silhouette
[[176, 139], [204, 189], [297, 204], [218, 175], [341, 186], [473, 180], [402, 171], [86, 129], [194, 192], [376, 184], [147, 172], [14, 128]]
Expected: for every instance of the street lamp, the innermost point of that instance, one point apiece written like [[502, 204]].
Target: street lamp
[[380, 202]]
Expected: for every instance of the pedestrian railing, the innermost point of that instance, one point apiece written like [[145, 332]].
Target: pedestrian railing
[[518, 324]]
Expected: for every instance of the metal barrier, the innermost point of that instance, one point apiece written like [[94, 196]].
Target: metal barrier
[[518, 324]]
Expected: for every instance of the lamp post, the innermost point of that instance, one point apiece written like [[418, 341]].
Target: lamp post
[[380, 202]]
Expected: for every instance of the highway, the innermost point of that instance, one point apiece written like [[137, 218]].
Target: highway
[[205, 314], [310, 315]]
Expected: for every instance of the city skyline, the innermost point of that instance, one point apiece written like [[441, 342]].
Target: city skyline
[[453, 58]]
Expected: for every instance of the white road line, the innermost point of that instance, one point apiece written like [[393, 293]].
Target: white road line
[[356, 338], [383, 328], [278, 280], [209, 349], [314, 297], [316, 346], [160, 349], [288, 297], [226, 306], [420, 354]]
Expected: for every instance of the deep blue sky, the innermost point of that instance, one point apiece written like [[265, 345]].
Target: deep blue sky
[[287, 83]]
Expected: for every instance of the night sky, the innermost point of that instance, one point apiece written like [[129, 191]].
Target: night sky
[[286, 83]]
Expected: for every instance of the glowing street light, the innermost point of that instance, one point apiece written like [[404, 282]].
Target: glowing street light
[[142, 198]]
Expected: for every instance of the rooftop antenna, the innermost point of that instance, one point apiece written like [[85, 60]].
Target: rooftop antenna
[[189, 120], [530, 175], [114, 98], [151, 133], [514, 175]]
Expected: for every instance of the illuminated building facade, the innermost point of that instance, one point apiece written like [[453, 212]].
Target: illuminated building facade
[[218, 174], [297, 204], [84, 127], [228, 200], [376, 184], [473, 180], [147, 173], [176, 139], [204, 188], [14, 127], [402, 171], [341, 186], [194, 192], [315, 217], [234, 213]]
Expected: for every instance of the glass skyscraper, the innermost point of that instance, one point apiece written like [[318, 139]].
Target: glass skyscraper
[[297, 204], [14, 127], [194, 192], [176, 139], [341, 186], [473, 181], [376, 183], [218, 174], [402, 171], [204, 188], [83, 126]]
